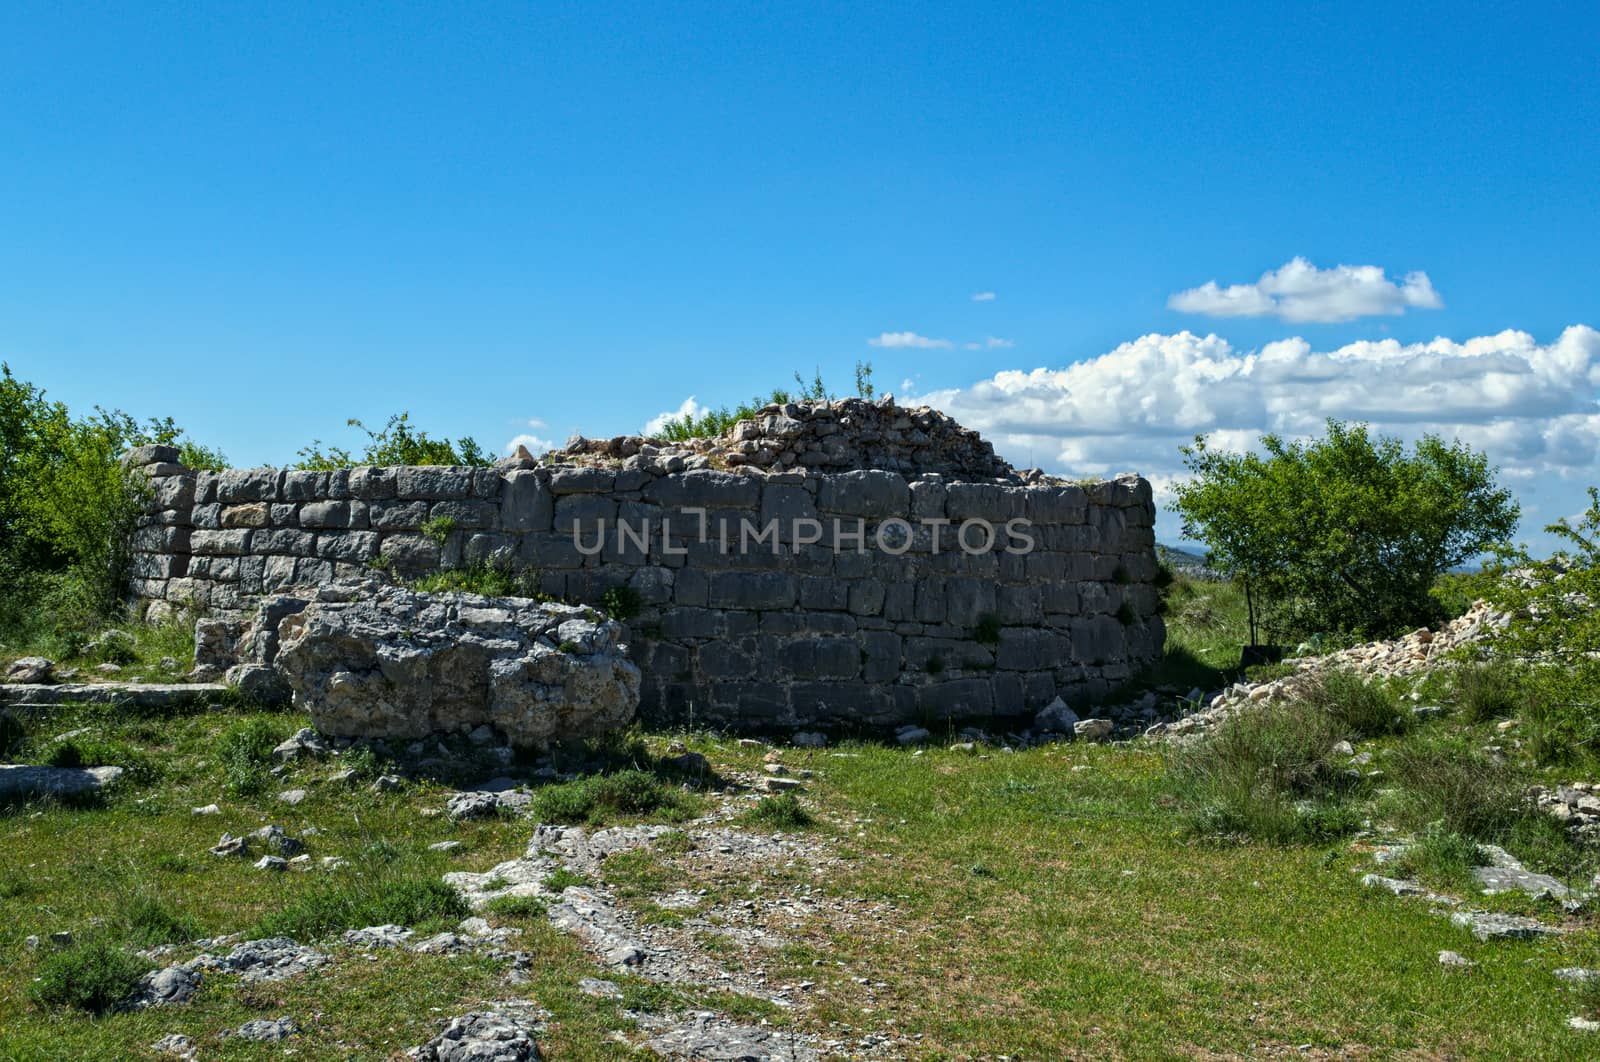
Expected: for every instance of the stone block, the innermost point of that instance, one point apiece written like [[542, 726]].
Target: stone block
[[869, 493], [255, 514], [432, 482], [248, 485], [751, 590], [527, 504]]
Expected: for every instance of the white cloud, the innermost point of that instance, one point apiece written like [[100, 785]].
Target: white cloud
[[658, 423], [905, 340], [1300, 292], [1532, 407], [991, 343], [983, 296], [535, 445]]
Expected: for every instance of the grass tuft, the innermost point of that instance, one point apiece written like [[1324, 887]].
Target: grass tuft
[[94, 975], [781, 812], [601, 797]]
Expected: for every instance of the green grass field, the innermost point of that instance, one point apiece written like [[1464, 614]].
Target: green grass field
[[1055, 902]]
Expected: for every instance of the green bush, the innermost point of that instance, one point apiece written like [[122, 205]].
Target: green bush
[[373, 894], [781, 812], [1486, 689], [94, 975], [67, 508], [600, 797], [489, 580], [246, 752], [1265, 773], [149, 921], [1343, 533], [397, 443]]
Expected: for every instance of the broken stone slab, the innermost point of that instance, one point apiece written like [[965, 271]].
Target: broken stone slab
[[504, 1033], [1405, 887], [267, 1030], [588, 916], [151, 695], [1055, 718], [1455, 960], [1498, 879], [372, 660], [30, 669], [175, 1044], [1577, 974], [18, 782], [384, 936], [1491, 925], [166, 987], [1093, 729], [707, 1037]]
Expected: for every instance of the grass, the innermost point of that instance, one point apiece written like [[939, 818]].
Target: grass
[[94, 976], [1059, 901], [372, 895], [781, 812], [1486, 690], [603, 798]]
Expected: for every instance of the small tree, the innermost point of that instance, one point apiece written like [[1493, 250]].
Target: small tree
[[1347, 532], [397, 443]]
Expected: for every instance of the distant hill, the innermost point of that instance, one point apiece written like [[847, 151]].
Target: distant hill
[[1183, 560]]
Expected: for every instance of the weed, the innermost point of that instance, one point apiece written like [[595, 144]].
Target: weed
[[1486, 689], [150, 921], [94, 975], [935, 664], [1359, 707], [1265, 773], [438, 529], [246, 750], [781, 812], [600, 797], [564, 879], [531, 907], [621, 603], [987, 631], [1442, 857], [1126, 615], [376, 897]]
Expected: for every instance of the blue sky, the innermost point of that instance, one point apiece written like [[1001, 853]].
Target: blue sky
[[539, 219]]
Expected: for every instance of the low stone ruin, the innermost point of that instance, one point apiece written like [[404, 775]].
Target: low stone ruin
[[852, 433], [371, 660]]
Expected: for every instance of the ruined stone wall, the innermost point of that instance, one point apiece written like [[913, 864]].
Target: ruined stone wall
[[910, 622]]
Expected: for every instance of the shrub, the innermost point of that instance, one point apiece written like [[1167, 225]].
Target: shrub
[[1343, 533], [602, 796], [376, 895], [486, 579], [1265, 773], [246, 751], [1359, 707], [987, 631], [397, 443], [150, 921], [781, 812], [67, 508], [1455, 786], [621, 603], [1486, 689], [94, 975]]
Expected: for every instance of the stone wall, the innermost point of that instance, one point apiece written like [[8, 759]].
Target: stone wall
[[920, 619]]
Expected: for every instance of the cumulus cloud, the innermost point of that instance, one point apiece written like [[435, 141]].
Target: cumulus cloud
[[1532, 407], [658, 423], [908, 340], [983, 296], [1300, 292], [535, 443]]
